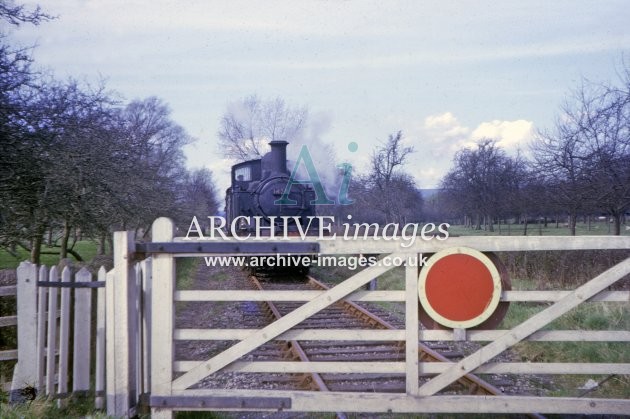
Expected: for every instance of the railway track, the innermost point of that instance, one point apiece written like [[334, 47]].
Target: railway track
[[343, 314], [348, 315]]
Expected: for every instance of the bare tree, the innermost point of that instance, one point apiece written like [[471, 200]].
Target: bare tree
[[150, 151], [80, 163], [585, 158], [18, 14], [249, 124], [387, 193], [198, 196], [75, 163], [559, 162], [19, 173], [483, 182], [389, 158], [605, 125]]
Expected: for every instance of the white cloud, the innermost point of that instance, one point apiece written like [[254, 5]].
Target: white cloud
[[511, 135], [441, 121], [430, 176], [439, 136], [443, 133], [444, 129]]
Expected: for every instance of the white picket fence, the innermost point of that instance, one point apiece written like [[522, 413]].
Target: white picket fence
[[61, 350], [7, 321]]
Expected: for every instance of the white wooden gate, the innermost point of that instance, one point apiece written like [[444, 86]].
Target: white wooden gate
[[171, 391]]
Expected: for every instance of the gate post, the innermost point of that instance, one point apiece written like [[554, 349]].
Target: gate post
[[162, 312], [25, 377], [411, 326], [120, 329]]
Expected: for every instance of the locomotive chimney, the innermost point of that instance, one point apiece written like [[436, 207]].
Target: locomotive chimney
[[278, 156]]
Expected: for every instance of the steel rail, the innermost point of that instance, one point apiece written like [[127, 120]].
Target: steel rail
[[474, 384], [296, 349]]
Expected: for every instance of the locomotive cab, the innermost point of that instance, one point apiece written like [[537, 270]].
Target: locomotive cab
[[258, 184], [244, 173]]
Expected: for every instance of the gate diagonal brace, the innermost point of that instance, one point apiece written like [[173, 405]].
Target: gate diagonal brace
[[474, 384], [520, 332], [280, 326]]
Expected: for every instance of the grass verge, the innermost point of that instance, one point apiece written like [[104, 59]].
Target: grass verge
[[596, 228], [85, 248], [44, 408], [587, 316]]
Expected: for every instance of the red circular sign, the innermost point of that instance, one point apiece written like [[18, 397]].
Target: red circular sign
[[459, 287]]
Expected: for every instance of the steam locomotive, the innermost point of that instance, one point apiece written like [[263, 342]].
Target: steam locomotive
[[256, 185]]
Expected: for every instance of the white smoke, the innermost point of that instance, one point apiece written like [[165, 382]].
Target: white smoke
[[323, 154], [264, 120]]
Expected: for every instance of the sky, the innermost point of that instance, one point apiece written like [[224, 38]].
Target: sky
[[446, 73]]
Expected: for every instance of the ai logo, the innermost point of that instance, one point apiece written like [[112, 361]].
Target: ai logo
[[313, 179]]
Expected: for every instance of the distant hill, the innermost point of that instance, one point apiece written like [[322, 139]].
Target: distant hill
[[428, 193]]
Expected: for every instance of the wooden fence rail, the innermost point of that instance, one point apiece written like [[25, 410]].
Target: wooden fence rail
[[57, 326], [7, 321]]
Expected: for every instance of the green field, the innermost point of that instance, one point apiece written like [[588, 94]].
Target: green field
[[587, 316], [85, 248], [599, 228]]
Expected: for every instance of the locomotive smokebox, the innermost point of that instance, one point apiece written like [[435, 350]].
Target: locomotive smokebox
[[278, 157]]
